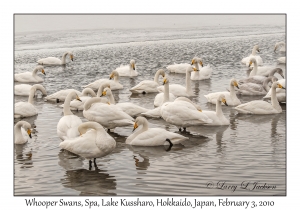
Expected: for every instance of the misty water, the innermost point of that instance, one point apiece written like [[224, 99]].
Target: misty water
[[251, 149]]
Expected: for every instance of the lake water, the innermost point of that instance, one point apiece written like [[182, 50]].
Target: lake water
[[214, 159]]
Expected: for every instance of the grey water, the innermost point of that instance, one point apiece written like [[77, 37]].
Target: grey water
[[252, 149]]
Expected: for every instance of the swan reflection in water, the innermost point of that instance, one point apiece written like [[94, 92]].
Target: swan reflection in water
[[87, 182], [23, 158]]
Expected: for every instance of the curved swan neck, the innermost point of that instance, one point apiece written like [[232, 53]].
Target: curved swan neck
[[34, 73], [87, 91], [111, 98], [274, 99], [219, 111], [41, 88], [156, 76], [116, 76], [232, 91], [273, 71], [166, 92], [188, 82], [31, 94], [254, 70], [266, 82], [101, 88], [67, 110], [63, 59], [91, 101], [89, 125]]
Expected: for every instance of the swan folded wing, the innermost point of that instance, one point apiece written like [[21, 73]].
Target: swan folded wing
[[146, 86], [131, 109], [25, 109], [25, 77], [96, 84], [256, 107], [156, 137], [251, 89], [175, 89], [49, 61], [154, 113], [61, 95], [254, 79], [178, 68], [206, 71], [213, 97]]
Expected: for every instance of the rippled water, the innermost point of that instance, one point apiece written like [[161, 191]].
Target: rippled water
[[250, 149]]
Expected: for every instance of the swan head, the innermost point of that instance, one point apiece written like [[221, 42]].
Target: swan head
[[132, 64], [106, 91], [256, 48], [139, 121], [279, 71], [40, 88], [252, 60], [223, 99], [113, 74], [101, 88], [191, 68], [161, 72], [41, 69], [77, 98], [27, 128], [278, 44], [277, 85], [234, 83], [197, 60], [71, 56], [165, 80]]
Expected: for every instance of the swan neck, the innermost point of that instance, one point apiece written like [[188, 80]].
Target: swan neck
[[272, 72], [31, 94], [254, 51], [90, 101], [265, 84], [63, 59], [34, 73], [254, 70], [111, 99], [156, 76], [274, 99], [188, 82], [67, 110], [219, 111], [116, 77], [166, 93], [136, 133], [18, 132], [232, 91], [88, 91]]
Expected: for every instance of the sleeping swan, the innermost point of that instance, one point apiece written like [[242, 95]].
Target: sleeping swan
[[55, 61], [30, 76], [152, 136]]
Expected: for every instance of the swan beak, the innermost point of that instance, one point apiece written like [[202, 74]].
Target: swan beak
[[133, 66], [224, 101], [29, 132], [258, 50], [199, 110], [80, 134], [165, 81], [43, 71], [236, 85], [111, 76], [193, 62], [280, 86], [78, 98], [250, 63], [282, 76], [135, 127], [195, 69], [71, 57], [108, 103], [103, 93], [201, 63]]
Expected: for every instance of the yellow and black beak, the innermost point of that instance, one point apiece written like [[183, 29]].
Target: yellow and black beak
[[258, 50], [193, 61], [135, 127], [200, 110], [133, 66], [236, 85], [201, 63], [29, 132], [250, 63], [80, 134], [280, 86], [78, 98], [43, 71], [224, 101], [165, 81], [195, 69], [111, 76], [103, 93], [71, 57]]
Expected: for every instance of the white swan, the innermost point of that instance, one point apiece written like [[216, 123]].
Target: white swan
[[254, 88], [261, 70], [78, 105], [281, 60], [56, 61], [24, 90], [203, 73], [127, 107], [258, 79], [246, 60], [178, 68], [27, 109], [152, 136], [262, 107], [217, 117], [127, 70], [67, 126], [166, 96], [108, 115], [22, 132], [30, 76], [280, 93], [179, 90], [148, 86], [92, 143], [231, 98], [114, 84], [61, 95], [280, 46], [183, 114]]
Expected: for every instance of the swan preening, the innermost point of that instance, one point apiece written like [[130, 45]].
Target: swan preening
[[56, 61], [93, 142], [114, 84], [146, 136], [262, 107], [27, 109], [263, 70], [148, 86], [246, 60], [231, 97], [256, 89], [30, 77], [127, 107], [179, 90], [67, 126], [280, 46], [127, 70], [22, 132], [203, 73], [259, 79]]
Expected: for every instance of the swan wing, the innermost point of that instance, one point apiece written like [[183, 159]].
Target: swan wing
[[25, 109], [256, 107], [131, 109], [25, 77], [178, 68], [67, 127], [22, 89], [147, 86], [154, 113], [254, 79], [61, 95], [251, 89]]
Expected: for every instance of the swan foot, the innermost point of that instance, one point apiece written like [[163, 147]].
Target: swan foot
[[170, 146], [184, 129], [95, 164]]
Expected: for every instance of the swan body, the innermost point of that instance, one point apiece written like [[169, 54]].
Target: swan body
[[127, 70], [262, 107], [67, 127], [108, 115], [203, 73], [78, 105], [27, 109], [179, 90], [280, 46], [22, 132], [30, 77], [218, 117], [165, 96], [24, 90], [264, 71], [148, 86], [231, 98], [55, 61], [61, 95], [127, 107], [152, 136], [94, 141], [258, 79], [183, 114], [114, 84], [178, 68], [280, 93], [254, 88], [246, 60], [281, 60]]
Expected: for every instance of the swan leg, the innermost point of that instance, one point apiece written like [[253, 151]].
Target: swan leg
[[184, 129], [90, 164], [95, 164], [180, 129]]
